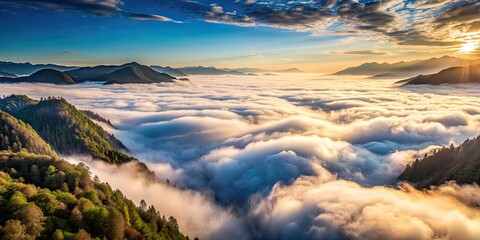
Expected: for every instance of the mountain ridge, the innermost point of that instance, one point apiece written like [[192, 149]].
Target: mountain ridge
[[42, 76], [405, 69], [169, 70], [134, 73], [6, 74], [16, 136], [65, 128], [201, 70], [28, 68], [453, 75]]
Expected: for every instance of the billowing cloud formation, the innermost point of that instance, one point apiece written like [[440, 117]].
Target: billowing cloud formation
[[197, 215], [401, 21], [95, 7], [315, 208], [239, 141]]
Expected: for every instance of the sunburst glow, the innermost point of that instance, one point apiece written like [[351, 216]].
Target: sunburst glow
[[468, 47]]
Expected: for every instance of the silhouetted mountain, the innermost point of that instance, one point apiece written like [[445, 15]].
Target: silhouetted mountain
[[208, 71], [88, 73], [454, 75], [406, 69], [126, 73], [169, 70], [246, 70], [16, 136], [43, 76], [69, 131], [5, 74], [290, 70], [15, 102], [28, 68], [461, 164], [134, 73], [383, 76]]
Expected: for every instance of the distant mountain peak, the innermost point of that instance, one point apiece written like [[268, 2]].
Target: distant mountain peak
[[408, 69], [43, 76], [51, 76], [169, 70], [132, 64], [29, 68], [452, 75], [202, 70], [291, 70], [133, 73]]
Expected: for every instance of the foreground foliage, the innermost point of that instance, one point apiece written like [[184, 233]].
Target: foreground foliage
[[45, 197]]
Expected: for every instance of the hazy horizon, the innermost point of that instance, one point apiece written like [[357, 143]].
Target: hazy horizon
[[468, 57]]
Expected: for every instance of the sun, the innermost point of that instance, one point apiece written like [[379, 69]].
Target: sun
[[468, 47]]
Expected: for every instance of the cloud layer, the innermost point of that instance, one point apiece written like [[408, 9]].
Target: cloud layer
[[272, 155], [314, 208]]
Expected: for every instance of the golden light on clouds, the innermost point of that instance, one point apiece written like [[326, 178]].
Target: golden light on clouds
[[468, 47]]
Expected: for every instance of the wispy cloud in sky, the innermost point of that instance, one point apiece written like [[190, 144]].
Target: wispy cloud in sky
[[362, 52], [402, 22], [95, 7], [421, 22]]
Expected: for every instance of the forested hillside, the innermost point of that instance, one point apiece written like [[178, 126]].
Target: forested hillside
[[65, 128], [15, 102], [461, 164], [96, 117], [17, 136], [43, 197]]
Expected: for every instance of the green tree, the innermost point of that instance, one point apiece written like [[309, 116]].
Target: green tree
[[15, 230], [35, 175], [116, 225], [82, 235], [46, 201], [57, 235], [16, 201], [32, 216]]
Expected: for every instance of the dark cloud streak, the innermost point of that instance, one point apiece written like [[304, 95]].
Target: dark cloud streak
[[103, 8]]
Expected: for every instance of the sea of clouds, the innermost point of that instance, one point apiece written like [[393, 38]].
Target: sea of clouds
[[287, 157]]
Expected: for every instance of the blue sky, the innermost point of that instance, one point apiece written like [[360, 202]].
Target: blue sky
[[313, 35]]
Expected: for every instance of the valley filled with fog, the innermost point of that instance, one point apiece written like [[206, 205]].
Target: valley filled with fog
[[294, 156]]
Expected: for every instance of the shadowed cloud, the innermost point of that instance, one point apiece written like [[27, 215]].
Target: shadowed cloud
[[95, 7]]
